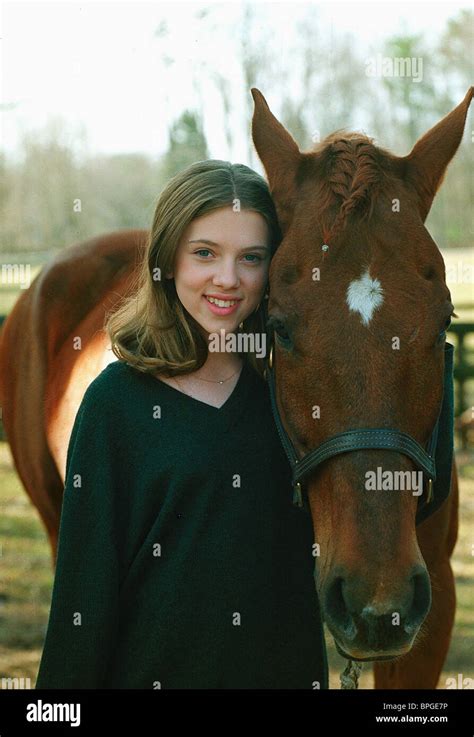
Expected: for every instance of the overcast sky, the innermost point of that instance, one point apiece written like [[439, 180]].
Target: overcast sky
[[99, 65]]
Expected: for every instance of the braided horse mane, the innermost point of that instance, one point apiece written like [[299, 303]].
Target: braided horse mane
[[352, 172]]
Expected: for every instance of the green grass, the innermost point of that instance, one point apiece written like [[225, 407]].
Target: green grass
[[26, 576], [27, 579]]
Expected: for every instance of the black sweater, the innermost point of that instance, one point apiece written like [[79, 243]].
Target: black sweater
[[182, 562]]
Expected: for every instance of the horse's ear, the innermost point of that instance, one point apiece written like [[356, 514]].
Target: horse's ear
[[279, 155], [427, 162]]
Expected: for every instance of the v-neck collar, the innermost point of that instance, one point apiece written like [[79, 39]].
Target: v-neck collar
[[186, 402]]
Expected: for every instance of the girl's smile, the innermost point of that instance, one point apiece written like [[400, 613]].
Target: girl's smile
[[222, 306]]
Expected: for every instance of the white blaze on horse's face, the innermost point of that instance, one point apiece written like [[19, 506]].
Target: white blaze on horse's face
[[364, 295]]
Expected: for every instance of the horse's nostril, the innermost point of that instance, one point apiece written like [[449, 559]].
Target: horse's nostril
[[336, 609], [360, 622], [421, 600]]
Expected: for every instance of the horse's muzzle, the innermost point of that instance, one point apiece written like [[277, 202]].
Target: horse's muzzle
[[365, 629]]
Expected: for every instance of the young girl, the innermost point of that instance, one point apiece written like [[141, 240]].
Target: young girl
[[182, 562]]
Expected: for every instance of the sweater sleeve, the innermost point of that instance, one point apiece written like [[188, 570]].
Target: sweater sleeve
[[84, 606]]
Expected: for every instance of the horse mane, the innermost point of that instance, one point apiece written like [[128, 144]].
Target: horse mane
[[351, 173]]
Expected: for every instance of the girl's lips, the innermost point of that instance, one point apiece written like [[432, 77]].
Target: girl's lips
[[221, 310]]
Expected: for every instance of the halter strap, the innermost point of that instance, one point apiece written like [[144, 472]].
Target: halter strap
[[359, 439]]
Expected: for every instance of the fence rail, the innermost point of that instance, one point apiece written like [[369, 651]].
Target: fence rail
[[463, 368]]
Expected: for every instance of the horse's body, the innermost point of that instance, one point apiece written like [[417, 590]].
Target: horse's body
[[53, 345]]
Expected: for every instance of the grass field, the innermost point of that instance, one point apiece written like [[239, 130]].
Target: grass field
[[27, 583]]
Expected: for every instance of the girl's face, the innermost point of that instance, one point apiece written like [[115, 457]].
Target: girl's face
[[221, 267]]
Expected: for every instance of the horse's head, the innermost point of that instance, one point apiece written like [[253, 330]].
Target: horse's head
[[359, 306]]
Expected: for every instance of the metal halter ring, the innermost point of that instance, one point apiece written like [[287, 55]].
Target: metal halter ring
[[429, 494]]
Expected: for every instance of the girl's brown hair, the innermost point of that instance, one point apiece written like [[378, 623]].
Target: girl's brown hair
[[151, 330]]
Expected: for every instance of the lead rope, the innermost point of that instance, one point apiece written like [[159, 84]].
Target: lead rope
[[350, 675]]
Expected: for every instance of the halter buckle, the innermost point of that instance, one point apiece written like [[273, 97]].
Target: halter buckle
[[297, 495], [429, 494]]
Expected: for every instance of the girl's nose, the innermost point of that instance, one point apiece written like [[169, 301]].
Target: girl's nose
[[226, 275]]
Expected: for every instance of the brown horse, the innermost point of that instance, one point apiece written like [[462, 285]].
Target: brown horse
[[356, 276], [53, 345]]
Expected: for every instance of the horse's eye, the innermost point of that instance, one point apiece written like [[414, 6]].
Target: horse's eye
[[281, 332], [447, 325]]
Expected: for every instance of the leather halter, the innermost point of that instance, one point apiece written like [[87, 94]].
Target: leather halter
[[369, 438]]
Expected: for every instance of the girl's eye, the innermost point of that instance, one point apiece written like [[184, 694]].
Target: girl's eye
[[254, 256]]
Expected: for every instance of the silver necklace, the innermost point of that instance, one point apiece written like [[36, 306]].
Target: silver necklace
[[221, 381], [211, 381]]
